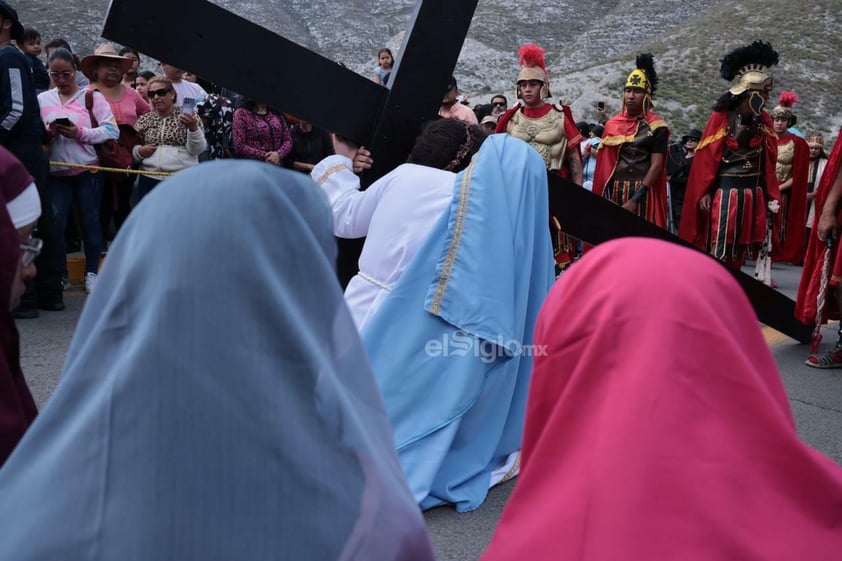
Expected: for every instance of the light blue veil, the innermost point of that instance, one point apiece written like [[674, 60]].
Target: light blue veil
[[217, 403], [451, 346]]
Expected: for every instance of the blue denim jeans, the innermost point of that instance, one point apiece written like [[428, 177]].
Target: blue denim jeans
[[145, 185], [86, 190]]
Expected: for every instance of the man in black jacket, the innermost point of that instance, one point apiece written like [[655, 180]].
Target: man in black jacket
[[23, 134]]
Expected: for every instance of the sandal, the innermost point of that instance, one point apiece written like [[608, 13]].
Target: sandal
[[830, 359]]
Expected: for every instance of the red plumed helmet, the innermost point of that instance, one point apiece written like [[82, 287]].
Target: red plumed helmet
[[531, 59], [532, 55], [783, 110], [787, 99]]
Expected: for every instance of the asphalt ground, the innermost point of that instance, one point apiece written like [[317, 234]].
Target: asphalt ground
[[815, 397]]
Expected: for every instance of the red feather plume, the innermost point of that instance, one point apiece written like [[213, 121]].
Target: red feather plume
[[532, 55], [787, 99]]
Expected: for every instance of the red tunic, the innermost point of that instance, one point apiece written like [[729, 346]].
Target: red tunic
[[808, 291], [794, 205], [695, 224], [621, 129]]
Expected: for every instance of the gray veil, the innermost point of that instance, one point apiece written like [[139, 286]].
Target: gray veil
[[216, 403]]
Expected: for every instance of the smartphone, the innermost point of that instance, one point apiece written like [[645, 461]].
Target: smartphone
[[188, 105], [601, 105], [63, 121]]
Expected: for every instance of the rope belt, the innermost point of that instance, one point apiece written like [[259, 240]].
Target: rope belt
[[127, 171], [375, 282]]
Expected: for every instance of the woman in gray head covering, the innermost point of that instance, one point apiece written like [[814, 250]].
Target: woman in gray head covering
[[216, 403]]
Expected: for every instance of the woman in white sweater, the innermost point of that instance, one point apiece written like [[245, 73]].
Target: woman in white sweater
[[172, 140]]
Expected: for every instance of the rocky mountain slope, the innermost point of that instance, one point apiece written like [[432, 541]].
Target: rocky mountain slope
[[590, 46]]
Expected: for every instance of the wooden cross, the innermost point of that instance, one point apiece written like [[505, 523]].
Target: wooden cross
[[207, 40]]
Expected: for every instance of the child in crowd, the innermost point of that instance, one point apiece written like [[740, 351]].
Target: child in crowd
[[386, 60], [31, 47]]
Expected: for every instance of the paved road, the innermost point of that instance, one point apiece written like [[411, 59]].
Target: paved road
[[815, 396]]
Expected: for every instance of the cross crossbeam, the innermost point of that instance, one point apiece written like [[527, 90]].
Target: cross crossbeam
[[198, 35]]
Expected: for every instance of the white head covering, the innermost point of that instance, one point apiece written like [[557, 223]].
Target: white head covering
[[26, 208], [19, 190], [216, 403]]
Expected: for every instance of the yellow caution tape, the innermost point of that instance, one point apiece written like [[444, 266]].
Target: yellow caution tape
[[112, 170]]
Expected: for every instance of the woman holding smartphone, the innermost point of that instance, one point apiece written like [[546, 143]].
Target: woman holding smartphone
[[171, 140], [72, 140]]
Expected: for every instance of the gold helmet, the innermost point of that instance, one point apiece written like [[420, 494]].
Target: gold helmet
[[531, 58], [644, 77], [750, 66], [783, 110]]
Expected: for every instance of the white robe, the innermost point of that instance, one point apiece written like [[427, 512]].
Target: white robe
[[395, 214]]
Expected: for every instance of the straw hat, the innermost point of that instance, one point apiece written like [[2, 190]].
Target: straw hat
[[103, 52]]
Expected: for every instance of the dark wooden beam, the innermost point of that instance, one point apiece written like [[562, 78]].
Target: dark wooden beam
[[424, 65], [596, 220], [207, 40]]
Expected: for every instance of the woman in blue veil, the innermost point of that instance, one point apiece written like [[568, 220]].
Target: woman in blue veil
[[216, 403]]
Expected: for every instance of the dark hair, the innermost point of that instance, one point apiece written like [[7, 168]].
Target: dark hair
[[59, 43], [451, 84], [146, 74], [493, 97], [62, 54], [30, 34], [483, 110], [125, 50], [446, 144], [386, 50]]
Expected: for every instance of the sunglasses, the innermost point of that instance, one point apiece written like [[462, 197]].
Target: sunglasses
[[157, 93], [498, 104], [66, 74], [29, 251]]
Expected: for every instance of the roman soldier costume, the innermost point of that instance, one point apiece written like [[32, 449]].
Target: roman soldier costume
[[792, 165], [625, 153], [550, 129], [734, 163]]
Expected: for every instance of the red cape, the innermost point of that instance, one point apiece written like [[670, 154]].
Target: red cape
[[706, 161], [792, 251], [621, 129], [808, 291]]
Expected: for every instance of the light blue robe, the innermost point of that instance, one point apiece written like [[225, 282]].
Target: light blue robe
[[450, 346], [216, 404]]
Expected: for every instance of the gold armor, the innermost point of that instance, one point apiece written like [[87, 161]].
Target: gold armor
[[545, 134], [752, 77], [786, 155]]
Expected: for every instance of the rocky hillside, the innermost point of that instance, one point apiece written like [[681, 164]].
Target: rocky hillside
[[590, 46]]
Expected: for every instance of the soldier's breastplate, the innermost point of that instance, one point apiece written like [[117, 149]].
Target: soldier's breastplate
[[786, 155], [545, 134], [740, 163], [634, 157]]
